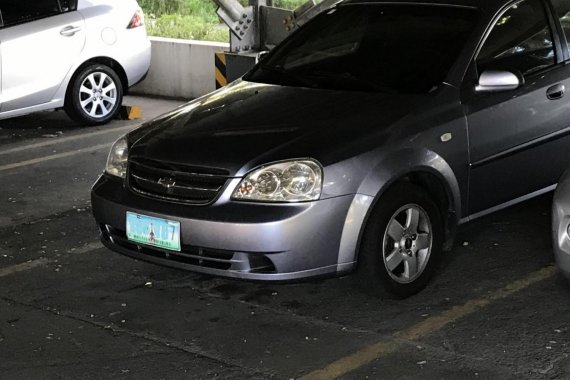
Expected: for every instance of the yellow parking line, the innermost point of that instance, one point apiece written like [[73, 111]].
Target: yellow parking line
[[65, 139], [53, 157], [368, 354]]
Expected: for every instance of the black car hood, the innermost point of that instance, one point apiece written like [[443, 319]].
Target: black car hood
[[247, 124]]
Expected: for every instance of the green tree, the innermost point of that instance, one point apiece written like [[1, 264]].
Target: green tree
[[192, 19], [160, 7]]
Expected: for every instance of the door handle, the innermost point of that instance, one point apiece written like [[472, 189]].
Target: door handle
[[69, 31], [556, 92]]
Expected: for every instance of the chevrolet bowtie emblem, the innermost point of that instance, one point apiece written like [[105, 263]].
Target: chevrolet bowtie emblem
[[167, 182]]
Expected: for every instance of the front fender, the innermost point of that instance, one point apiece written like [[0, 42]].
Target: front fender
[[402, 163], [388, 171]]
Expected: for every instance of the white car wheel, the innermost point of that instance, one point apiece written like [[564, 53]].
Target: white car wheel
[[96, 95]]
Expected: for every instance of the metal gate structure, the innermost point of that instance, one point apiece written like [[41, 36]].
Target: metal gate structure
[[256, 29]]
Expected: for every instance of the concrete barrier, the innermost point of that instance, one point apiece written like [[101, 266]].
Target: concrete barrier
[[180, 68]]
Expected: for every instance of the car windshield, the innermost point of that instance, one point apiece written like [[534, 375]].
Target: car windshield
[[371, 47]]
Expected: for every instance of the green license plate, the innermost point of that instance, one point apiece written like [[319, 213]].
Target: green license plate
[[152, 231]]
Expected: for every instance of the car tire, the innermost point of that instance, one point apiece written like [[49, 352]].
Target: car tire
[[95, 96], [402, 243]]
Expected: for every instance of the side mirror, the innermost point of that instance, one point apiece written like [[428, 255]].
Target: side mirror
[[260, 56], [498, 80]]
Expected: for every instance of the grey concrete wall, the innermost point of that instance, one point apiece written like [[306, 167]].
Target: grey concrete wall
[[180, 68]]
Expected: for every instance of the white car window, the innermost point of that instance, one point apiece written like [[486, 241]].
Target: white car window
[[16, 12]]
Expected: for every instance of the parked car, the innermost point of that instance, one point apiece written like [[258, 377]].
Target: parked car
[[80, 55], [361, 142]]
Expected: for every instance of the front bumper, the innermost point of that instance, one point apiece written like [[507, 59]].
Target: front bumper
[[267, 242]]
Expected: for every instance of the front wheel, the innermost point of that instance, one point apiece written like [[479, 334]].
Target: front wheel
[[95, 95], [402, 243]]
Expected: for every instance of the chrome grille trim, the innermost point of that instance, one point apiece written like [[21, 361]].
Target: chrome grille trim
[[170, 182], [181, 173], [182, 187]]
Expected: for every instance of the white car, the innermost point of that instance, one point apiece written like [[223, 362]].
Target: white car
[[80, 55]]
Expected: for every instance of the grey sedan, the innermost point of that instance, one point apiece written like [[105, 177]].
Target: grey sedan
[[360, 143]]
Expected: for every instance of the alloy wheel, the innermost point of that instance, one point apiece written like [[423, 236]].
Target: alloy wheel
[[98, 95], [407, 243]]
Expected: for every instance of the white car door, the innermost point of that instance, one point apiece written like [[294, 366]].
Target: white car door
[[40, 42]]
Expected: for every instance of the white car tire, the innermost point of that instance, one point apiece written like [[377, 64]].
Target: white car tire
[[95, 96]]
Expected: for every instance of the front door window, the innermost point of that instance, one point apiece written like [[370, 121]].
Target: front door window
[[520, 41]]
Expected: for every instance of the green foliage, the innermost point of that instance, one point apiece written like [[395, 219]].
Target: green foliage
[[288, 4], [206, 9], [192, 19], [187, 27], [160, 7]]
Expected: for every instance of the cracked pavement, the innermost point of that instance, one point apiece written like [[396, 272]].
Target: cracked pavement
[[70, 308]]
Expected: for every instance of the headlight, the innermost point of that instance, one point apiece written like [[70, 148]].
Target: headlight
[[291, 181], [117, 160]]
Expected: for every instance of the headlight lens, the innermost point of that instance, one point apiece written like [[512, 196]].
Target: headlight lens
[[290, 181], [117, 160]]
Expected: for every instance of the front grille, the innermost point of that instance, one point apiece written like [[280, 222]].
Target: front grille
[[195, 256], [175, 182]]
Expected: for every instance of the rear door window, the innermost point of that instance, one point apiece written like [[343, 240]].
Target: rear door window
[[14, 12]]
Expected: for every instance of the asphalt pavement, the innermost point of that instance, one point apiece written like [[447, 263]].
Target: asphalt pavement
[[69, 308]]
